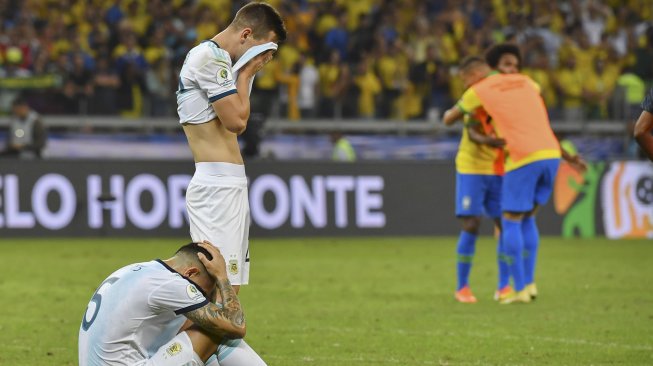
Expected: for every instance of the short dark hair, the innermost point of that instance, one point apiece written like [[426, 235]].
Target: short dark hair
[[494, 53], [192, 249], [261, 18], [469, 62]]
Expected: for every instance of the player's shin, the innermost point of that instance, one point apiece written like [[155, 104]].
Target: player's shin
[[203, 345], [514, 242], [465, 251], [531, 237], [503, 268]]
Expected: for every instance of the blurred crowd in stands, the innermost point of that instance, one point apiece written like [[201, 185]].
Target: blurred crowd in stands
[[343, 59]]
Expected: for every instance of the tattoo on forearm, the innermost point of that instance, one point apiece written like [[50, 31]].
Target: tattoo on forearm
[[231, 306], [203, 317], [229, 310]]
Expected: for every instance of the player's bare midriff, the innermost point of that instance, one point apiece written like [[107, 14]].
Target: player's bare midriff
[[212, 142]]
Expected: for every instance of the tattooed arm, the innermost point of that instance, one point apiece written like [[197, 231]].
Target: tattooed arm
[[225, 319], [230, 303]]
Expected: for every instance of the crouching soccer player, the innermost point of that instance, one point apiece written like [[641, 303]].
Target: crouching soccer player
[[136, 315]]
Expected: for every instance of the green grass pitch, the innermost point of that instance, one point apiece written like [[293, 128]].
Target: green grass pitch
[[383, 301]]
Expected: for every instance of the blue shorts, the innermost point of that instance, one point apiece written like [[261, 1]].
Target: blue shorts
[[530, 185], [478, 195]]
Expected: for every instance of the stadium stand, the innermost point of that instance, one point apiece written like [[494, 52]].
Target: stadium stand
[[344, 59]]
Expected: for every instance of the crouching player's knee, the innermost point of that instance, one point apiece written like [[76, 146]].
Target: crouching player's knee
[[203, 345], [225, 352]]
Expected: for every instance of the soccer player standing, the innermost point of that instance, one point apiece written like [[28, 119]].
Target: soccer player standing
[[516, 107], [213, 107], [506, 58], [479, 170], [479, 166]]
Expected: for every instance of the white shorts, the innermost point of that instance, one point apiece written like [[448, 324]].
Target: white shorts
[[178, 352], [218, 211]]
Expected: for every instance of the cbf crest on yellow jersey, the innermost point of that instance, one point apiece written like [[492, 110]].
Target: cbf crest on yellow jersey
[[473, 158]]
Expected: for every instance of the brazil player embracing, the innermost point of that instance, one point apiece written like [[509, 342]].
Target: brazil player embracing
[[479, 170], [533, 156]]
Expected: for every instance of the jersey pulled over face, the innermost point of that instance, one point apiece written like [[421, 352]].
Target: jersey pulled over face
[[134, 312], [205, 77]]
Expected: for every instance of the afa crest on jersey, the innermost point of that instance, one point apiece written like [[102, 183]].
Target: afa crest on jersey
[[174, 349], [233, 267]]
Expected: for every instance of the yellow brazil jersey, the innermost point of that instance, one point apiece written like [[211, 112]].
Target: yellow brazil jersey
[[206, 29], [570, 82], [513, 117], [369, 86], [287, 56], [387, 67], [267, 78], [473, 158], [543, 79], [584, 58]]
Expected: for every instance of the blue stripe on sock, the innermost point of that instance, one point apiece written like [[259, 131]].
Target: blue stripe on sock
[[226, 348], [213, 360]]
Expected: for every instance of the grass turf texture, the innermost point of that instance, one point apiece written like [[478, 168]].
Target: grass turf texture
[[361, 301]]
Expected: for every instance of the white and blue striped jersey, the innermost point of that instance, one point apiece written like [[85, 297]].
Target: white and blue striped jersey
[[135, 311], [205, 77]]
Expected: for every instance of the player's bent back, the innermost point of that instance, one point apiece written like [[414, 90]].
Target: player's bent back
[[120, 326]]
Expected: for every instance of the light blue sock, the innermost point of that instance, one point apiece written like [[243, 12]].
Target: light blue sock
[[236, 352], [504, 269], [514, 242], [531, 244], [465, 250]]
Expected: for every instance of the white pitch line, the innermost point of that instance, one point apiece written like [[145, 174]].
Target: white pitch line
[[393, 361], [577, 341], [354, 360], [571, 341]]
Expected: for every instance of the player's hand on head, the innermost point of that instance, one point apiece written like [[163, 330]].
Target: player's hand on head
[[216, 266], [257, 63]]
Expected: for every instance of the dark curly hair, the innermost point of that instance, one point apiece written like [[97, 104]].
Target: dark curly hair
[[494, 53]]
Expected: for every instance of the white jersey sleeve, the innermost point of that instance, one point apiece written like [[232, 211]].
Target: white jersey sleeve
[[177, 295], [205, 77]]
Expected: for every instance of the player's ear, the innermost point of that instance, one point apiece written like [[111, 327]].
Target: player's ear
[[191, 272], [244, 34]]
